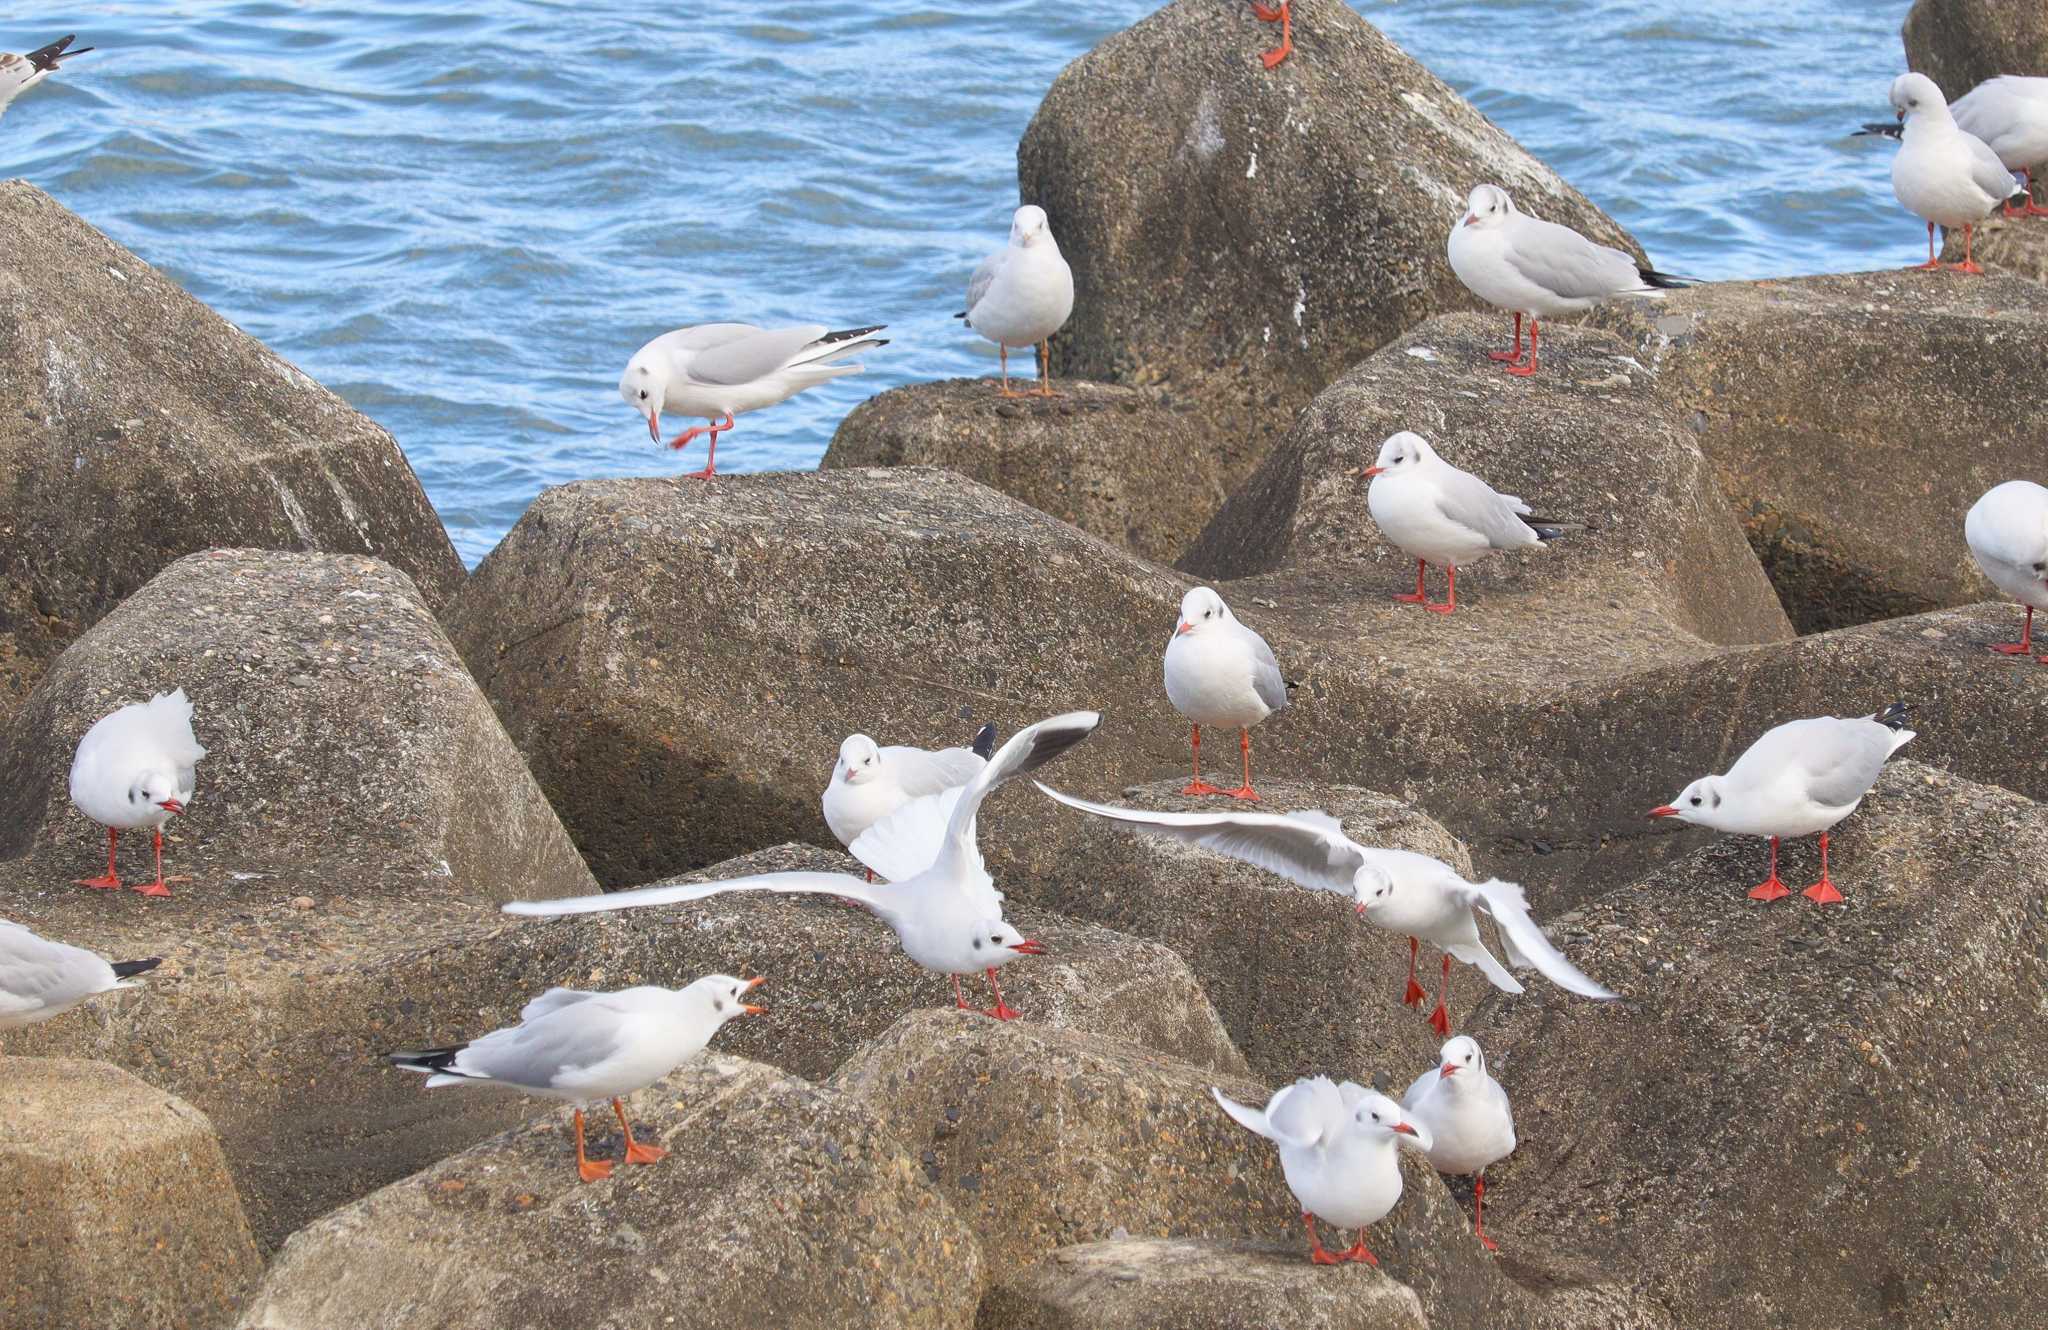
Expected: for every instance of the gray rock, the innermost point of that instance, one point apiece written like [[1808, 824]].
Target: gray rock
[[1960, 43]]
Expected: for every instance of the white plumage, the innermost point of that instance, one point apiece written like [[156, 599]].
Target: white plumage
[[1943, 174], [135, 768], [1219, 672], [1466, 1113], [2010, 113], [1022, 294], [2007, 531], [40, 978], [1441, 515], [19, 73], [869, 782]]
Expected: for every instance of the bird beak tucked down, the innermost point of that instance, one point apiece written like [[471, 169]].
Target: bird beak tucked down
[[654, 426], [1184, 628], [1450, 1069], [754, 983], [171, 804], [1666, 811], [1029, 947], [1470, 218], [1405, 1129], [1373, 471]]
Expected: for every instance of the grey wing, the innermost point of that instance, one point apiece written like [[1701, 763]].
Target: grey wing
[[1473, 504], [1266, 679], [36, 973], [984, 277], [921, 772], [1847, 761], [1525, 941], [1307, 852], [538, 1053], [821, 884], [554, 1000], [756, 356], [1562, 261], [1989, 172], [1028, 749]]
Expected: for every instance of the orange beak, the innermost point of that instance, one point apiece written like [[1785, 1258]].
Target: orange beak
[[1666, 811], [1029, 947], [171, 804], [754, 983], [1470, 218], [1449, 1070], [1374, 470], [654, 426], [1405, 1129], [1184, 628]]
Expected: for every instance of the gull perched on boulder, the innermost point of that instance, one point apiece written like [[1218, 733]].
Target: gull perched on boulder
[[40, 978], [1022, 294], [1439, 514], [1466, 1113], [1943, 174], [19, 73], [870, 782], [1219, 672], [2007, 531], [134, 769]]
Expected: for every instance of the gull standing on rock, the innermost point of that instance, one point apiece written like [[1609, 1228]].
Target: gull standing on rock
[[2008, 534], [1219, 672], [1022, 294], [1398, 890], [40, 978], [1439, 514], [585, 1047], [1339, 1152], [134, 769], [1284, 16], [2010, 113], [1465, 1111], [1525, 265], [949, 917], [724, 370], [19, 73], [870, 782], [1802, 777], [1942, 174]]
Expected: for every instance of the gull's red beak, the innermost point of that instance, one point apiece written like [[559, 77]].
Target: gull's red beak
[[1185, 627], [171, 804], [654, 426], [1405, 1129], [1470, 218], [1666, 811], [1361, 907], [1028, 947], [1374, 470], [754, 983], [1449, 1070]]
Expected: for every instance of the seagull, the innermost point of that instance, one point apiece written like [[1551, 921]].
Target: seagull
[[2010, 113], [870, 782], [2008, 534], [948, 916], [19, 73], [1466, 1114], [1338, 1150], [718, 370], [1442, 515], [134, 769], [1802, 777], [1525, 265], [1284, 16], [1022, 294], [1398, 890], [584, 1047], [1219, 672], [40, 978], [1943, 174]]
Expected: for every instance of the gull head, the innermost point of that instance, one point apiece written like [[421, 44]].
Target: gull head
[[1461, 1056], [1402, 452], [1200, 609], [642, 387], [1028, 226], [1487, 206], [1379, 1116], [860, 761], [724, 997], [1913, 94], [1371, 888], [1699, 803], [996, 943], [158, 789]]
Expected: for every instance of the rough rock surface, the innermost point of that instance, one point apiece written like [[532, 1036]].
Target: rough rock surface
[[118, 1207], [1131, 465], [340, 728], [2002, 246], [1854, 496], [1960, 43], [134, 409], [1858, 1082], [780, 1204]]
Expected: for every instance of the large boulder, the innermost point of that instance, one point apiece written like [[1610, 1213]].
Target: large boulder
[[779, 1204], [119, 1209], [340, 728], [1960, 43], [1857, 1087], [1853, 420], [2015, 246], [1261, 230], [134, 409], [1131, 465]]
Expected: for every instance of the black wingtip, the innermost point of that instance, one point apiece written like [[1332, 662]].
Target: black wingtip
[[961, 315], [46, 57], [1892, 717], [426, 1059], [1663, 281], [1548, 533], [848, 334], [985, 741], [129, 969], [1887, 129]]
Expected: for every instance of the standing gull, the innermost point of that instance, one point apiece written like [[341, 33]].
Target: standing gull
[[949, 916], [1802, 777], [40, 978], [1022, 294], [1219, 672], [1465, 1111], [1442, 515], [1398, 890], [1943, 174], [134, 769], [19, 73], [870, 782], [1525, 265], [2010, 113], [2007, 531], [585, 1047], [724, 370]]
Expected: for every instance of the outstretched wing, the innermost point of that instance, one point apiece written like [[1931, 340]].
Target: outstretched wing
[[1029, 748], [822, 884], [1525, 941], [1309, 848], [908, 841]]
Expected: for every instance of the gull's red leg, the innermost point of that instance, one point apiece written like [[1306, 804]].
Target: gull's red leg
[[157, 888], [2032, 210], [1198, 785], [1315, 1244], [1421, 596], [958, 1000], [1357, 1252], [1933, 262], [1285, 17], [1414, 996], [711, 460], [1823, 892], [1045, 369], [1770, 888], [2023, 647], [1002, 1011], [590, 1170], [1524, 371], [1968, 264], [112, 879], [1245, 791], [1479, 1208], [1513, 357], [636, 1153], [1440, 1019], [1450, 605]]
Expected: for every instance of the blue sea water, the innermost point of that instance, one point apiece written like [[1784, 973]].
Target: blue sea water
[[464, 218]]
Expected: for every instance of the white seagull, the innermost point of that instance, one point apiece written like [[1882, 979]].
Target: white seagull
[[1943, 174], [718, 370], [949, 916], [2010, 113], [1022, 294], [134, 769], [1465, 1111], [584, 1047], [2008, 534], [1441, 515], [1339, 1151], [19, 73], [870, 782], [1219, 672], [40, 978], [1802, 777], [1398, 890], [1525, 265]]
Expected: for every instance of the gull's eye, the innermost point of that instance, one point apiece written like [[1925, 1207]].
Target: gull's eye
[[643, 394], [2041, 567], [1695, 801], [1375, 1117], [997, 941]]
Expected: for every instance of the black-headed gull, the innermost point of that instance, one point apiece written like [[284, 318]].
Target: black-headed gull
[[1284, 16], [1022, 294], [1801, 777], [1525, 265], [584, 1047], [1339, 1151], [1465, 1111], [1441, 515], [869, 782], [948, 916], [40, 978], [1219, 672], [134, 769], [1943, 174], [724, 370], [2008, 534], [2010, 113], [19, 73], [1398, 890]]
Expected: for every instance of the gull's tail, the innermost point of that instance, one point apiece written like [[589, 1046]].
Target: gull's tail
[[129, 969], [1663, 281], [436, 1064], [985, 741], [1892, 717], [1884, 129]]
